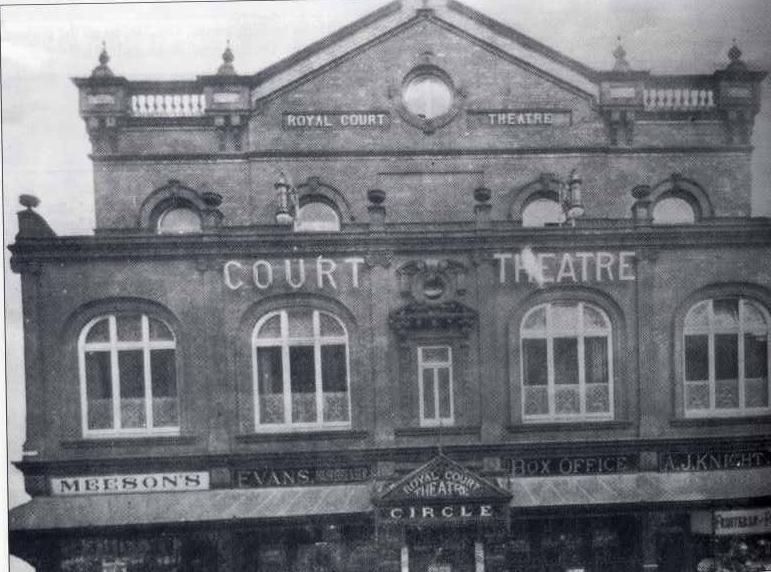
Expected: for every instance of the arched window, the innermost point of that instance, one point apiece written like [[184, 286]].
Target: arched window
[[128, 376], [179, 220], [300, 359], [542, 212], [567, 363], [726, 358], [673, 210], [317, 216]]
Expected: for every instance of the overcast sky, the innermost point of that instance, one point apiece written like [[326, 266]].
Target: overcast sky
[[45, 145]]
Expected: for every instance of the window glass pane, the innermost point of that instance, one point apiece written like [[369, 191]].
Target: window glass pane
[[440, 355], [596, 359], [597, 398], [753, 319], [565, 361], [564, 318], [726, 356], [132, 388], [164, 388], [300, 323], [99, 332], [160, 331], [129, 327], [428, 96], [303, 383], [726, 313], [318, 217], [697, 395], [593, 318], [541, 212], [566, 400], [443, 375], [755, 355], [696, 358], [270, 385], [534, 356], [726, 393], [99, 390], [535, 321], [330, 326], [179, 221], [698, 316], [673, 210], [536, 400], [429, 407], [756, 392], [334, 383], [270, 328]]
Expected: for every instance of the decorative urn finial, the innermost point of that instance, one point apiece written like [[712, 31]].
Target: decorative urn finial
[[227, 62], [103, 70], [620, 54], [735, 57]]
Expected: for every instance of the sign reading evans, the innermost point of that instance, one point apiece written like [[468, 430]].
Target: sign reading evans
[[134, 483], [335, 119], [748, 521], [259, 478]]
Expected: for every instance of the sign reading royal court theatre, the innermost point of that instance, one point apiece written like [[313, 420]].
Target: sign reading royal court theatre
[[442, 491]]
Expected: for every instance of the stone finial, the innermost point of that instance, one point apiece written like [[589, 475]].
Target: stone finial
[[227, 62], [29, 201], [103, 70], [735, 58], [620, 54]]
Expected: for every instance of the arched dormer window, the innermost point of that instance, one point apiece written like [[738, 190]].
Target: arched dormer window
[[315, 215], [177, 209], [301, 374], [128, 376], [566, 363], [181, 219], [543, 209], [726, 358], [678, 200]]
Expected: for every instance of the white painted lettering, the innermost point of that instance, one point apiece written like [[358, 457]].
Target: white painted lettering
[[355, 263], [321, 272], [229, 282], [262, 264], [625, 265], [288, 273], [502, 258]]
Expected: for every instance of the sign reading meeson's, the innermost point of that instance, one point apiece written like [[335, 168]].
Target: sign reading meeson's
[[511, 268], [134, 483]]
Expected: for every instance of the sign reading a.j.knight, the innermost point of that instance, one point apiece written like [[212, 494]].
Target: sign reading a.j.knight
[[132, 483]]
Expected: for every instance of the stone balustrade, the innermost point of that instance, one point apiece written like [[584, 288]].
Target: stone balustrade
[[678, 99], [168, 105]]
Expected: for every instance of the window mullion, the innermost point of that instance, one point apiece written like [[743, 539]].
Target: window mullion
[[451, 386], [147, 372], [115, 371], [437, 394], [286, 369], [317, 367], [740, 379], [550, 389], [421, 388], [711, 354], [581, 361]]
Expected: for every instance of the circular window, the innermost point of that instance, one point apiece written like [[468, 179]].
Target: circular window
[[428, 95]]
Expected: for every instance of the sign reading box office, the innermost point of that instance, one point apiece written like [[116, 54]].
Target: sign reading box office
[[131, 483], [573, 465]]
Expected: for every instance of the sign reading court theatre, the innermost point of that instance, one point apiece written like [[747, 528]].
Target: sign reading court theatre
[[442, 492]]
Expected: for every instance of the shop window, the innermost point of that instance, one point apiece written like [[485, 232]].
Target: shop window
[[673, 210], [435, 385], [726, 358], [567, 363], [542, 212], [300, 371], [179, 220], [317, 216], [128, 376]]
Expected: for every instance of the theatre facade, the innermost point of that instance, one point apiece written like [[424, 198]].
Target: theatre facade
[[427, 295]]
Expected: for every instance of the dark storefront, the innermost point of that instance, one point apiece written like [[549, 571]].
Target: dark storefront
[[490, 311]]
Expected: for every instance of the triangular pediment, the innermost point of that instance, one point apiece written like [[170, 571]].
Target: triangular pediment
[[395, 19], [442, 480]]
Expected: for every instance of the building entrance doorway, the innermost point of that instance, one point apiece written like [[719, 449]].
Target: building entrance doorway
[[440, 550]]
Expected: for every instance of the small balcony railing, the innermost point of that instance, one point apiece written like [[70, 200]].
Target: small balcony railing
[[673, 93], [168, 105]]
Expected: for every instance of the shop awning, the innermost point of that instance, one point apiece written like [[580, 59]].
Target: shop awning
[[639, 488], [63, 512]]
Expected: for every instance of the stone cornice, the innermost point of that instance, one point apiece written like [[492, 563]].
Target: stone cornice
[[269, 241]]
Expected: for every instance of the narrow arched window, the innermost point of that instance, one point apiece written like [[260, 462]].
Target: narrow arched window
[[179, 220], [317, 216], [300, 360], [128, 376], [567, 363], [726, 361], [673, 210]]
